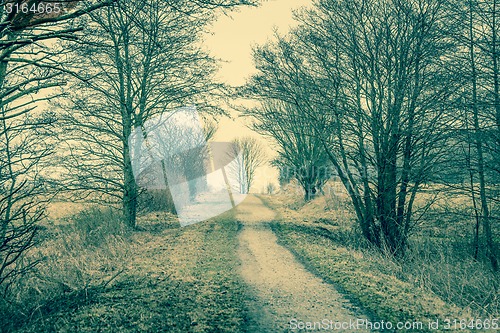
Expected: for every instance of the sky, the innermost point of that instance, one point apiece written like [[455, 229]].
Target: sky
[[231, 39], [233, 36]]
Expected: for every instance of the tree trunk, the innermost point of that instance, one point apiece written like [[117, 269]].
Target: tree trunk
[[496, 70], [386, 200], [310, 192], [130, 192], [485, 218]]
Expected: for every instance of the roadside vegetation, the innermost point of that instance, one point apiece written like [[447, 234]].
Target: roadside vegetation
[[97, 276], [74, 83], [395, 99], [394, 104], [436, 280]]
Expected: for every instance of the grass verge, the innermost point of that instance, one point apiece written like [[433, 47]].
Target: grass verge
[[374, 286], [169, 279]]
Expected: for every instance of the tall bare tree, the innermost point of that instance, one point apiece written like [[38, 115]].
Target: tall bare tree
[[139, 59], [369, 76], [479, 123], [29, 67], [247, 155]]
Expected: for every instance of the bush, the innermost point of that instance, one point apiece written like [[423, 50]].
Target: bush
[[438, 265], [76, 258], [95, 225], [270, 188], [157, 201]]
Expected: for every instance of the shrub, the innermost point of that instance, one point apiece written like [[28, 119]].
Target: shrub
[[95, 225], [157, 201], [76, 258], [271, 188]]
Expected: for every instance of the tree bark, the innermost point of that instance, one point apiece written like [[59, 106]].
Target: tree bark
[[485, 217]]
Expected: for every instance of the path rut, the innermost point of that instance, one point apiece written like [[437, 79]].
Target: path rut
[[284, 292]]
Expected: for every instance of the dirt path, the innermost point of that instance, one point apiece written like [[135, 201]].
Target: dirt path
[[284, 290]]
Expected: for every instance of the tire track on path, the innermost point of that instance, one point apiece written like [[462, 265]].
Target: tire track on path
[[282, 288]]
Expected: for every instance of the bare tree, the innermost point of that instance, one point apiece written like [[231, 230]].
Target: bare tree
[[479, 123], [369, 77], [27, 66], [301, 154], [28, 69], [479, 135], [247, 154], [139, 59], [23, 189]]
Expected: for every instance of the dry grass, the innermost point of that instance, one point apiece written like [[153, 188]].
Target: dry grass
[[438, 278], [78, 254], [437, 265], [59, 211], [368, 278], [96, 276]]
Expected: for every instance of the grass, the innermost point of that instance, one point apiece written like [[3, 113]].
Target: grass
[[444, 267], [364, 278], [98, 276], [161, 279], [438, 280]]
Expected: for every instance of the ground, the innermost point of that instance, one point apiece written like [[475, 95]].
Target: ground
[[265, 266], [284, 289]]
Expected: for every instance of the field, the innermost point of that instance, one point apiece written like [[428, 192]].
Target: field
[[94, 275], [163, 278]]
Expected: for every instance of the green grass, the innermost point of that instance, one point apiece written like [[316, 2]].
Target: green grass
[[368, 279], [171, 279]]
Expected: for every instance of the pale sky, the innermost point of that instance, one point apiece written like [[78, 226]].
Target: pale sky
[[231, 39]]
